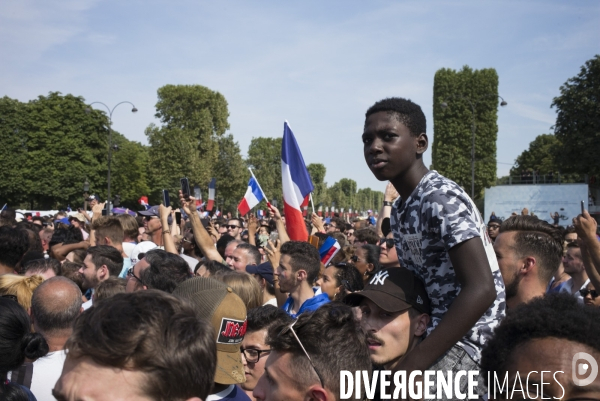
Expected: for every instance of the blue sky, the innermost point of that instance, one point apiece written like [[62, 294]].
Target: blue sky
[[318, 64]]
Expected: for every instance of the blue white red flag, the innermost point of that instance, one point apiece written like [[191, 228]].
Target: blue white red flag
[[297, 185], [328, 250], [252, 197], [211, 194], [261, 214]]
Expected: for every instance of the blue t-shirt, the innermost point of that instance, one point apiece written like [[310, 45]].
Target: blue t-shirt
[[231, 393], [310, 305]]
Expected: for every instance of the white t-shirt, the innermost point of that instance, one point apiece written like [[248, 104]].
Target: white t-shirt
[[568, 288], [128, 248], [46, 371]]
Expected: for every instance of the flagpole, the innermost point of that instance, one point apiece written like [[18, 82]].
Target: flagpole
[[257, 183], [312, 203], [3, 207]]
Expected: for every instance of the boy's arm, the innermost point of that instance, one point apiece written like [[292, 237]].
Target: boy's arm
[[477, 293]]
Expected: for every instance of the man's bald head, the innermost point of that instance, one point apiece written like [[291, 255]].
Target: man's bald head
[[55, 305]]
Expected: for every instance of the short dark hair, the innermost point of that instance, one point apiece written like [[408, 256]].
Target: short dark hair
[[266, 316], [165, 272], [553, 315], [252, 251], [14, 243], [539, 238], [212, 266], [141, 321], [407, 112], [109, 287], [339, 223], [17, 342], [223, 242], [109, 227], [238, 220], [42, 266], [303, 256], [367, 235], [54, 312], [106, 255], [333, 339]]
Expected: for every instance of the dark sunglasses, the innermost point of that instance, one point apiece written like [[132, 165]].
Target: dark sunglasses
[[494, 226], [389, 242], [354, 258], [232, 226], [585, 292]]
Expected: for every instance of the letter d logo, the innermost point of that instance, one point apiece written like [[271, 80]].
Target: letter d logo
[[579, 368]]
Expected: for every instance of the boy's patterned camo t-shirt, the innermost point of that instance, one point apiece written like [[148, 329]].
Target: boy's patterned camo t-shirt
[[437, 216]]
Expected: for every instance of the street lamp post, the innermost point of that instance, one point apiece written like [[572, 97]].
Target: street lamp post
[[473, 115], [110, 145]]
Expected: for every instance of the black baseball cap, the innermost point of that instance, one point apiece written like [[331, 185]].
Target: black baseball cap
[[265, 270], [394, 289]]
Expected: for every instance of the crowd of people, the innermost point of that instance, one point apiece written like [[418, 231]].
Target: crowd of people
[[117, 307]]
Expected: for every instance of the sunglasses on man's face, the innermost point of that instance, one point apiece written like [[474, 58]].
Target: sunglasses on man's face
[[389, 242], [231, 226], [585, 292]]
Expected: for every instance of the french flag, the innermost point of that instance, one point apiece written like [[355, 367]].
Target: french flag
[[328, 250], [252, 198], [211, 194], [260, 214], [297, 185], [144, 202]]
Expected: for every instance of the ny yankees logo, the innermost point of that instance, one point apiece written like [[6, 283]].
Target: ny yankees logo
[[379, 278]]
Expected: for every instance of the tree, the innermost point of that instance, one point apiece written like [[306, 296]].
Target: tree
[[317, 173], [541, 157], [264, 158], [129, 176], [186, 145], [538, 157], [231, 173], [578, 120], [49, 147], [451, 153]]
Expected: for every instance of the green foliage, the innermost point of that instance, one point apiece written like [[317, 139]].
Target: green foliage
[[451, 153], [231, 174], [193, 117], [367, 199], [129, 176], [264, 158], [317, 173], [578, 120], [539, 157], [49, 146]]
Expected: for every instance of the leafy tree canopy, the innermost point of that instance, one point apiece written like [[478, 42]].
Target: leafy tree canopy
[[578, 120]]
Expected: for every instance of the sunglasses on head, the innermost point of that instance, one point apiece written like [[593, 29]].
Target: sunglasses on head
[[13, 297], [389, 242], [585, 292]]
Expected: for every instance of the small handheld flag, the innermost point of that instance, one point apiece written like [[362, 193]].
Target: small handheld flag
[[328, 250], [211, 194], [252, 197]]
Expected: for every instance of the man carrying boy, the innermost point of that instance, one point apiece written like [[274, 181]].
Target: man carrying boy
[[441, 237]]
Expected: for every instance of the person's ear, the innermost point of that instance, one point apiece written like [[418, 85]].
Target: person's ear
[[422, 143], [301, 274], [528, 264], [370, 267], [107, 241], [318, 393], [421, 324]]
